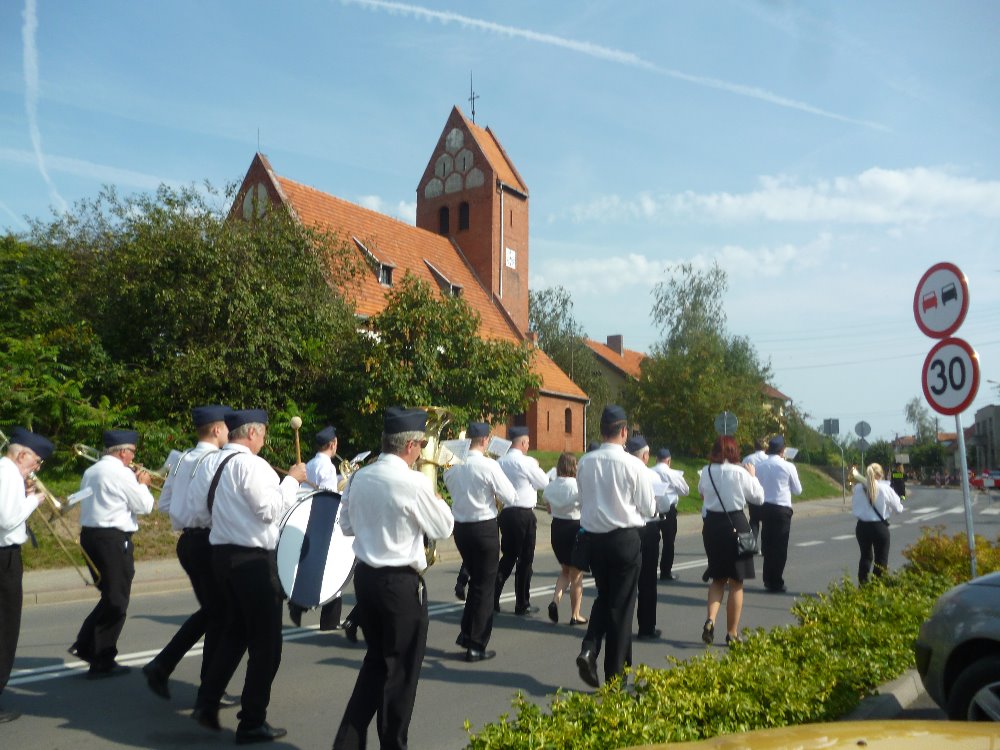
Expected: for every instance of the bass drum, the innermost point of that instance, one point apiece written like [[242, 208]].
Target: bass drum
[[315, 559]]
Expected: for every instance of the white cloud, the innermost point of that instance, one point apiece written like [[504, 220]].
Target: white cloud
[[28, 32], [609, 54], [101, 173], [875, 196], [403, 210]]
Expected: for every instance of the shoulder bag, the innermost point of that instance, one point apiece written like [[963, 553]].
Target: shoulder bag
[[746, 542]]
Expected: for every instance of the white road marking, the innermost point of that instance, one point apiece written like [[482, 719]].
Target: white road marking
[[841, 537], [931, 509], [809, 544], [937, 514]]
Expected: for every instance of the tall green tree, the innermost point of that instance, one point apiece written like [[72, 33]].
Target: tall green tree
[[920, 419], [697, 370], [550, 315], [423, 349], [195, 307]]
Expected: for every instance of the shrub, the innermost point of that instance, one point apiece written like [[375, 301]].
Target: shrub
[[948, 556]]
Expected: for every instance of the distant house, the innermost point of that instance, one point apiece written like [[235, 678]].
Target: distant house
[[776, 403], [984, 451], [471, 239]]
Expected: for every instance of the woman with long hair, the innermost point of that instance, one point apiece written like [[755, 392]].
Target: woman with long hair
[[563, 499], [726, 488], [873, 502]]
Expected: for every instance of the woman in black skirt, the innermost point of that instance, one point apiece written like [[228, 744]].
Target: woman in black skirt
[[563, 499], [726, 487]]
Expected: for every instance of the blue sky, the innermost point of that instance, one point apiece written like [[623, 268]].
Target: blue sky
[[824, 153]]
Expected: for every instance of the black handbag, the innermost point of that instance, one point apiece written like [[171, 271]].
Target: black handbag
[[746, 542], [579, 558]]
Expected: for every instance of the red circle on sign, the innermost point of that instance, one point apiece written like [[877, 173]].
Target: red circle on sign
[[918, 301], [946, 377]]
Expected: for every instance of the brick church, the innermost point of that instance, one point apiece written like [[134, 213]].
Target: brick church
[[470, 239]]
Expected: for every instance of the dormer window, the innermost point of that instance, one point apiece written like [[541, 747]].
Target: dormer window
[[384, 275], [382, 269], [452, 290]]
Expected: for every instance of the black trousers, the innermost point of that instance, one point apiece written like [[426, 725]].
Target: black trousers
[[873, 539], [518, 527], [754, 512], [11, 601], [615, 560], [248, 578], [668, 530], [195, 555], [393, 612], [112, 553], [776, 524], [479, 545], [329, 613], [649, 543]]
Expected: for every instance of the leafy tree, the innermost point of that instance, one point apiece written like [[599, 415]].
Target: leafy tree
[[423, 349], [698, 371], [550, 313], [195, 307], [919, 417], [881, 452]]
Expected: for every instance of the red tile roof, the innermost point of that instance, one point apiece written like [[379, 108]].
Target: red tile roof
[[495, 155], [416, 250], [628, 363], [772, 392]]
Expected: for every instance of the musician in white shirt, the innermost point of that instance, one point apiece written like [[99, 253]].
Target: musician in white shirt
[[616, 498], [25, 454], [675, 486], [873, 503], [752, 459], [649, 543], [518, 525], [189, 514], [780, 480], [322, 474], [388, 508], [246, 501], [475, 486]]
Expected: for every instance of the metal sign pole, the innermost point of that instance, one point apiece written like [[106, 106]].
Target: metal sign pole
[[967, 495]]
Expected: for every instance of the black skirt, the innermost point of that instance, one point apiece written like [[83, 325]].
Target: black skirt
[[720, 546], [563, 536]]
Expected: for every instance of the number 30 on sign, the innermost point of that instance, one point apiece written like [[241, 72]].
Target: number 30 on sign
[[951, 376]]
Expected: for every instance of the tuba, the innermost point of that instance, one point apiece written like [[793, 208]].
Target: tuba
[[434, 456]]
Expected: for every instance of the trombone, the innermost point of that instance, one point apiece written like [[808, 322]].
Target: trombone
[[157, 478]]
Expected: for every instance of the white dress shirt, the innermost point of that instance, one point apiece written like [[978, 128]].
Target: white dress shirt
[[526, 476], [735, 484], [563, 496], [475, 486], [320, 472], [615, 490], [780, 480], [116, 497], [755, 458], [249, 500], [886, 501], [186, 510], [387, 507], [15, 505], [676, 486]]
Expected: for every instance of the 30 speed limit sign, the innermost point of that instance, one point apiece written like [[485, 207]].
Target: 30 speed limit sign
[[951, 376]]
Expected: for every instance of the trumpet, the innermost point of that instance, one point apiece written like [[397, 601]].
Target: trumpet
[[157, 478]]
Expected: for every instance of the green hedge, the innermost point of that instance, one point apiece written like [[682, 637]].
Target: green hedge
[[847, 642]]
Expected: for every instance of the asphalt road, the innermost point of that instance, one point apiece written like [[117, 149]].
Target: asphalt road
[[62, 710]]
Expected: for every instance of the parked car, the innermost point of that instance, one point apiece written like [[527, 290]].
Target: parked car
[[958, 650]]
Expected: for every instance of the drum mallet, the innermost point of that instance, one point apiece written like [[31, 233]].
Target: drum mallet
[[296, 423]]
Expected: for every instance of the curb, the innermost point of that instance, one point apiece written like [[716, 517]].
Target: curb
[[892, 698]]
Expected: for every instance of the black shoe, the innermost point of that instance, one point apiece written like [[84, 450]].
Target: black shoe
[[708, 633], [650, 636], [553, 612], [228, 701], [669, 576], [295, 614], [586, 662], [264, 733], [80, 654], [103, 671], [527, 609], [6, 716], [475, 654], [731, 639], [351, 631], [208, 718], [776, 589], [575, 621], [157, 680], [460, 592]]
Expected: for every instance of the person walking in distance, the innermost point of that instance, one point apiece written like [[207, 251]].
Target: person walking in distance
[[780, 480], [518, 525], [563, 497], [675, 487]]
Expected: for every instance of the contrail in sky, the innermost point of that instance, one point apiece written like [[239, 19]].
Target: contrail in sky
[[610, 54], [31, 95]]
